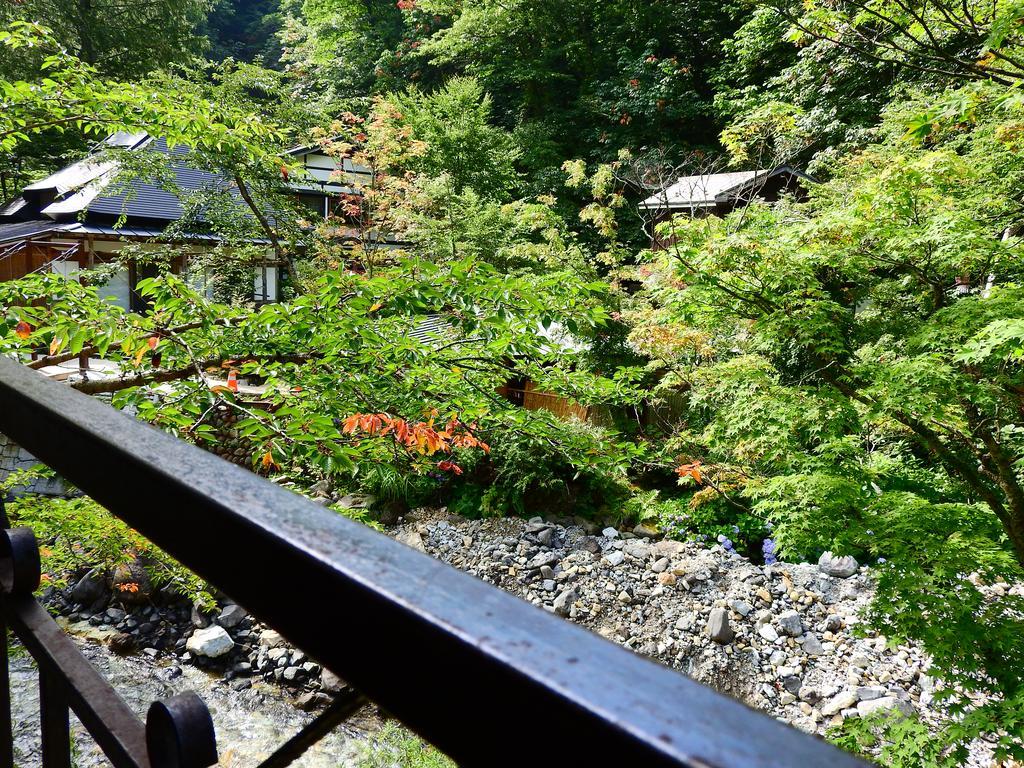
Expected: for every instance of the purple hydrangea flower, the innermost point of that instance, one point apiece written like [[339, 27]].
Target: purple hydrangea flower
[[768, 549]]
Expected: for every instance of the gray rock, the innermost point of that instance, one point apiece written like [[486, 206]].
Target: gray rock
[[870, 692], [563, 603], [210, 642], [291, 674], [645, 531], [198, 618], [547, 572], [541, 559], [742, 607], [791, 623], [660, 565], [792, 683], [615, 558], [638, 548], [610, 533], [89, 588], [859, 660], [718, 626], [885, 704], [812, 646], [231, 616], [544, 537], [833, 623], [839, 567]]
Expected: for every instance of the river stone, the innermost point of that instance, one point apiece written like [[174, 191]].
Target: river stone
[[231, 616], [210, 642], [870, 692], [791, 624], [330, 682], [615, 557], [742, 607], [812, 646], [718, 626], [839, 567], [563, 603], [645, 532], [885, 704], [412, 539], [610, 533], [89, 588], [838, 703], [767, 632], [590, 544], [638, 548], [271, 639]]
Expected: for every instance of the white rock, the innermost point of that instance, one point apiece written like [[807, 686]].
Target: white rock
[[840, 567], [884, 704], [210, 642], [610, 533], [767, 631], [615, 558], [838, 703]]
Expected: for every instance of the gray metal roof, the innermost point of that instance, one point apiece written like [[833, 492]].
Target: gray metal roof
[[709, 189]]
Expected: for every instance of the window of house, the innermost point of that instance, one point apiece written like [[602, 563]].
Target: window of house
[[68, 269], [271, 284], [118, 290]]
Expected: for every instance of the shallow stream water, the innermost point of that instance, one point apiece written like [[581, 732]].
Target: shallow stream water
[[250, 724]]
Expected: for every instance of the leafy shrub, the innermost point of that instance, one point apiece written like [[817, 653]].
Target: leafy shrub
[[568, 468], [77, 533], [708, 517]]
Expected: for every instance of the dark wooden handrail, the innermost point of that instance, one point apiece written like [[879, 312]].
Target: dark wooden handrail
[[488, 678]]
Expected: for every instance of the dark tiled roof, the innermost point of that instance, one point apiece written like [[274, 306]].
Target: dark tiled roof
[[151, 201], [20, 230]]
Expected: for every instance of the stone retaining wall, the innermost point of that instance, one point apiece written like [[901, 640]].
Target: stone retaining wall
[[14, 458]]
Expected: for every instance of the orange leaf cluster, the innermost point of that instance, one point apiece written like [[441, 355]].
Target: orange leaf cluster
[[421, 437], [691, 470], [128, 586]]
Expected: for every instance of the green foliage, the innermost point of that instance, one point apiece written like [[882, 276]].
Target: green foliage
[[119, 44], [77, 533], [847, 390], [394, 747], [899, 741]]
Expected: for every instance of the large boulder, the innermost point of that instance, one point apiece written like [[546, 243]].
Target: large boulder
[[839, 567], [211, 642], [132, 584], [89, 588]]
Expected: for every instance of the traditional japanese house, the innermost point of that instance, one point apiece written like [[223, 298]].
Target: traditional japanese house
[[83, 215], [716, 194]]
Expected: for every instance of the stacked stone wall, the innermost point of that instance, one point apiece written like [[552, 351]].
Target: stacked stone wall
[[14, 458]]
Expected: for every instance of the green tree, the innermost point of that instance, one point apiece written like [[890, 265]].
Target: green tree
[[121, 40], [853, 376]]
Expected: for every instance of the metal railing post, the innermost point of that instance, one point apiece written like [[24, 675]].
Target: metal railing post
[[55, 721]]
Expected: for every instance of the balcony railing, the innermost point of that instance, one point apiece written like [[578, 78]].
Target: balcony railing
[[470, 668]]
